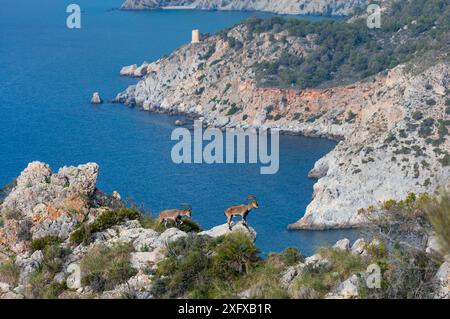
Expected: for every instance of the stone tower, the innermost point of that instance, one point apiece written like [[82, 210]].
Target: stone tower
[[195, 36]]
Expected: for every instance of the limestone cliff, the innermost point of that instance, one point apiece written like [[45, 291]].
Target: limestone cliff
[[394, 125], [297, 7]]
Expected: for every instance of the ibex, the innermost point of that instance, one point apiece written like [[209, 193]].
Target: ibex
[[175, 214], [241, 210]]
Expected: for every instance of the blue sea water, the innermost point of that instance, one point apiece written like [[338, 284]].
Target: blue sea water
[[47, 75]]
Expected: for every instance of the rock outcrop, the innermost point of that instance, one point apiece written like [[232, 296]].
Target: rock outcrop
[[298, 7], [96, 99], [393, 128], [48, 206]]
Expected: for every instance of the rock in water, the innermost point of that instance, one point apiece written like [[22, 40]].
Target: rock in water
[[96, 99], [179, 123]]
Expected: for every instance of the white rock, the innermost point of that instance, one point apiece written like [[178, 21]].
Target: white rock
[[442, 278], [317, 262], [170, 235], [224, 230], [141, 260], [343, 244], [349, 288], [359, 246], [12, 295], [4, 287], [96, 99], [128, 70]]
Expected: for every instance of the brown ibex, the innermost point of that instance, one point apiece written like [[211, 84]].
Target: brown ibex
[[241, 210], [175, 214]]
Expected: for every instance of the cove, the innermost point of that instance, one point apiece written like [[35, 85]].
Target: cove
[[48, 75]]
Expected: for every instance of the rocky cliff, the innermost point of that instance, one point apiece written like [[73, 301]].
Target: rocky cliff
[[393, 126], [297, 7]]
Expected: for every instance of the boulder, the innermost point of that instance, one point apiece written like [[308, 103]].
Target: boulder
[[224, 230], [343, 244], [170, 235], [96, 99], [141, 260], [11, 295], [347, 289], [4, 287], [359, 247]]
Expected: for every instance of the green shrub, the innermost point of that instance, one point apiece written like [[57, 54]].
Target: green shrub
[[41, 243], [292, 256], [105, 267], [438, 213], [202, 267], [350, 117], [235, 255], [112, 218], [82, 235], [9, 273], [233, 110]]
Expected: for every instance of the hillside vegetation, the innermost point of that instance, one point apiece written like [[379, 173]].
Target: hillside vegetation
[[347, 50]]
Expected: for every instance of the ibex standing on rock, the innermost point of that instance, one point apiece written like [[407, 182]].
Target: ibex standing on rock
[[175, 214], [241, 210]]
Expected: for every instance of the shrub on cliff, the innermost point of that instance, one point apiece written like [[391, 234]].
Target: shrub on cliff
[[9, 273], [438, 213], [82, 235], [43, 242], [41, 284], [202, 267], [292, 256], [105, 267]]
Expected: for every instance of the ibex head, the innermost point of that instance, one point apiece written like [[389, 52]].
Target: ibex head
[[188, 211], [254, 201]]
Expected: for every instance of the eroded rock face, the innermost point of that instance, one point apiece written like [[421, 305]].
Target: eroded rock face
[[325, 7], [44, 203]]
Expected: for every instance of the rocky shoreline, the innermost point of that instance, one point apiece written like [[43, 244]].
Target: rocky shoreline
[[386, 124], [290, 7]]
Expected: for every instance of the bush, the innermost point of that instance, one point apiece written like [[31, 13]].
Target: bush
[[41, 243], [9, 273], [82, 235], [202, 267], [438, 213], [112, 218], [233, 110], [292, 256], [235, 255], [103, 267]]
